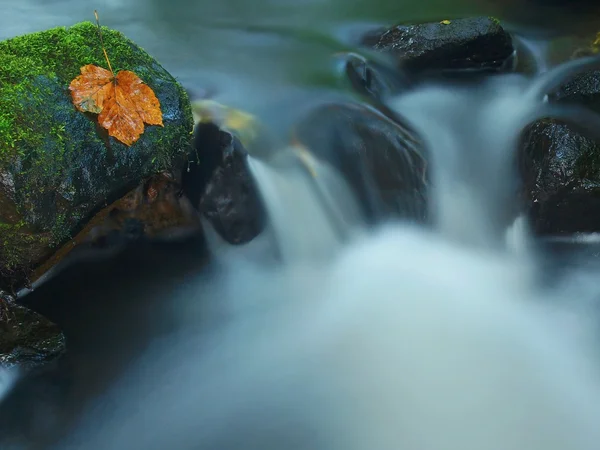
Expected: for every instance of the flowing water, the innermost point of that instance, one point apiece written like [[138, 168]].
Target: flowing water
[[397, 337], [7, 379]]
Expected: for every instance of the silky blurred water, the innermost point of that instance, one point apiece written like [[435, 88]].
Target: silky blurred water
[[396, 338]]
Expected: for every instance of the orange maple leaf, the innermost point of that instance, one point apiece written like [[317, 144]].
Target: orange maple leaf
[[123, 102]]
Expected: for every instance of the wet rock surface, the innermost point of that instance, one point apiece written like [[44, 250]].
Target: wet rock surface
[[560, 165], [371, 79], [219, 184], [582, 89], [57, 166], [561, 178], [156, 208], [463, 45], [26, 338], [381, 159]]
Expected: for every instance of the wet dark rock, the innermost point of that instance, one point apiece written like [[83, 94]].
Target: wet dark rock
[[111, 304], [561, 171], [382, 160], [57, 166], [372, 79], [477, 44], [560, 165], [155, 208], [27, 339], [582, 89], [219, 183]]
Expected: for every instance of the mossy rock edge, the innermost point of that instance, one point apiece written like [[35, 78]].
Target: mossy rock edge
[[57, 166]]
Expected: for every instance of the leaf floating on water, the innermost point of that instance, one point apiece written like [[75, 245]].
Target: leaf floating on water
[[124, 103], [446, 22]]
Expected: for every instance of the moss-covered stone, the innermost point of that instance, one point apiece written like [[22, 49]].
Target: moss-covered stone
[[57, 166]]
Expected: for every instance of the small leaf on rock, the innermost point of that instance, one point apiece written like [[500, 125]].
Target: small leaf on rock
[[123, 101]]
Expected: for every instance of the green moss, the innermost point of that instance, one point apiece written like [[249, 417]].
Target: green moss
[[56, 156], [17, 242], [54, 54]]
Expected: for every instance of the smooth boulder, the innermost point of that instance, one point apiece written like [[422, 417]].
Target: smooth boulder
[[477, 44], [382, 160]]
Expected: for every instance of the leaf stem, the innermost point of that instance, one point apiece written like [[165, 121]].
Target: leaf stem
[[102, 43]]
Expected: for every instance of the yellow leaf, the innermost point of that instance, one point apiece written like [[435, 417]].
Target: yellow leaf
[[445, 22]]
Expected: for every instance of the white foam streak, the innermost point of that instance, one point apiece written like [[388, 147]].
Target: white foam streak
[[8, 376]]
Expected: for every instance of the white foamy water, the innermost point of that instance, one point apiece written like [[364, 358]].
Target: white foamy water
[[445, 348], [310, 206], [399, 338]]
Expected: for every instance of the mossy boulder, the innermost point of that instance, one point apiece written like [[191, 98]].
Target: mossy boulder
[[57, 166]]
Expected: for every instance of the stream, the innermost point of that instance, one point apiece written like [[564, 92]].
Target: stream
[[332, 331]]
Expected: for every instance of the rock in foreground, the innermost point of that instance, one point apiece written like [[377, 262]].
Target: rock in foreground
[[57, 166]]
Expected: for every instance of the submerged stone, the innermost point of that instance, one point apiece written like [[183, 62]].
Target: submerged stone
[[582, 89], [371, 79], [478, 44], [57, 166], [382, 160]]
